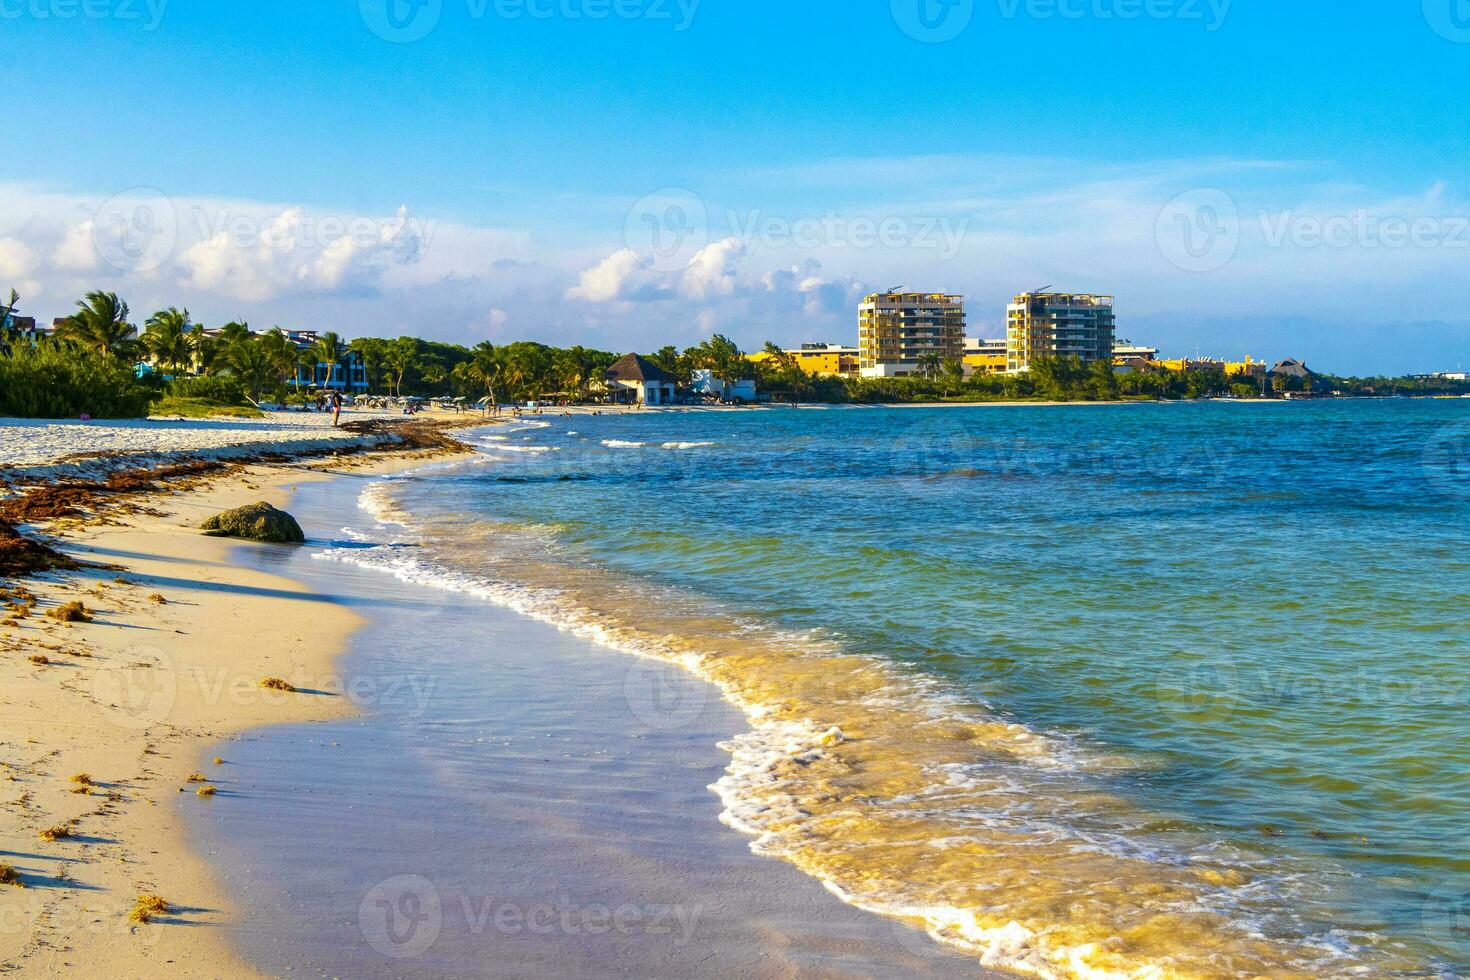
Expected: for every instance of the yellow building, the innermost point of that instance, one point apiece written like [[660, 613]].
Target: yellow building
[[984, 356], [899, 332], [1248, 367], [819, 360], [1254, 368]]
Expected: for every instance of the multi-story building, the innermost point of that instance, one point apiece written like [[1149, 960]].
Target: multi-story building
[[818, 359], [1058, 325], [349, 374], [902, 333], [23, 327]]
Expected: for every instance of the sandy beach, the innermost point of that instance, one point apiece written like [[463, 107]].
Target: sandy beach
[[102, 721], [128, 700], [110, 728]]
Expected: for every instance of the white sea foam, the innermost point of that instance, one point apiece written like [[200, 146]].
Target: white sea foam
[[760, 757], [755, 755], [535, 450], [628, 444]]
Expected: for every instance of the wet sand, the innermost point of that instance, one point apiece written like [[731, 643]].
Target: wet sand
[[510, 801]]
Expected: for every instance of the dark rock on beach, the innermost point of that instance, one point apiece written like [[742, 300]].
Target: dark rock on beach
[[257, 522]]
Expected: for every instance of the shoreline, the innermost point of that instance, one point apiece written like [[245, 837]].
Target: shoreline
[[133, 700], [542, 773], [143, 697]]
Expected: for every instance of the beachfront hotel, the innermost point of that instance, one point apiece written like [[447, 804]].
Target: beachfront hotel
[[1042, 324], [899, 333]]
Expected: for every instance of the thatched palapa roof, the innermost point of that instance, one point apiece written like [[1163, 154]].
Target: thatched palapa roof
[[636, 367]]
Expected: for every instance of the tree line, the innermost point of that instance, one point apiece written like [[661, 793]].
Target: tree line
[[233, 362]]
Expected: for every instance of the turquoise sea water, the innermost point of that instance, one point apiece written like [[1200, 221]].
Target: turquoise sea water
[[1215, 654]]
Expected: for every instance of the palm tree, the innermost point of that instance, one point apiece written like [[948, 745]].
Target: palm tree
[[930, 364], [370, 350], [399, 357], [100, 324], [214, 352], [572, 369], [208, 351], [328, 350], [307, 364], [253, 362], [434, 374], [781, 359], [280, 352], [484, 369], [722, 357], [167, 339], [235, 332]]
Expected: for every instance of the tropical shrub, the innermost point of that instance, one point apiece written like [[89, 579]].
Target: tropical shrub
[[215, 389], [54, 381]]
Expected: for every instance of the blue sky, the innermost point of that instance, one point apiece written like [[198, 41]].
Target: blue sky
[[512, 157]]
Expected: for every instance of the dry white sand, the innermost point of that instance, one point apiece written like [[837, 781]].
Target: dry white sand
[[45, 449]]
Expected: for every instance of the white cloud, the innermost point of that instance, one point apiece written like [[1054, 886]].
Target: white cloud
[[16, 259], [250, 258], [712, 271], [76, 251], [620, 276], [1020, 224], [17, 262]]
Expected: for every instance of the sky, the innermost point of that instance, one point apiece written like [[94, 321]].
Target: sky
[[1245, 177]]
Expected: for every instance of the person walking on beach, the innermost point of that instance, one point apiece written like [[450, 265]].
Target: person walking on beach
[[336, 409]]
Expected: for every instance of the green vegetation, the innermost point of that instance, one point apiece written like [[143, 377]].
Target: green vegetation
[[168, 340], [100, 324], [88, 369], [54, 381], [216, 389], [200, 408], [1050, 379]]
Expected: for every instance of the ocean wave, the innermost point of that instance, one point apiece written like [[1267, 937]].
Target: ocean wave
[[905, 798], [535, 450], [630, 444]]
